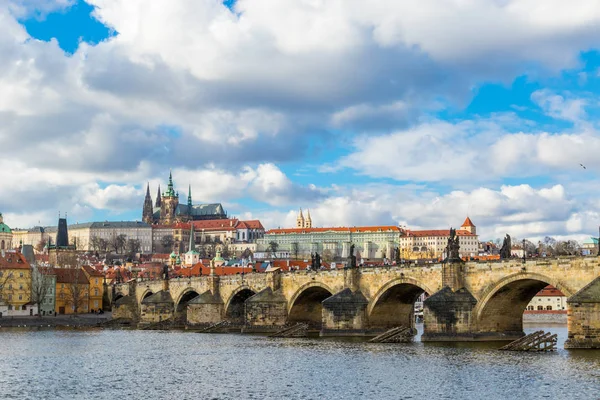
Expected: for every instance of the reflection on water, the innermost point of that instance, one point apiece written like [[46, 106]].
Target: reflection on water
[[180, 365]]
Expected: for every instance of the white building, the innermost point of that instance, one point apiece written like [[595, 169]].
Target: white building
[[81, 235], [415, 244], [548, 299], [369, 241]]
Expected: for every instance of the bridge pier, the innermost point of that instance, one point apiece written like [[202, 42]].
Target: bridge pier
[[204, 310], [266, 311], [345, 314], [583, 318], [448, 316]]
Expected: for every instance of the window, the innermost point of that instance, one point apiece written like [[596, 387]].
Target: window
[[20, 274], [540, 308], [20, 297], [530, 308], [548, 307]]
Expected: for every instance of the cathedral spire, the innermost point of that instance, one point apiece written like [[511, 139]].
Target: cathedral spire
[[192, 238], [158, 195], [147, 210], [170, 191], [189, 203]]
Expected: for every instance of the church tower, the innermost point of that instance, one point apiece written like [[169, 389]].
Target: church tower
[[308, 220], [300, 220], [157, 205], [189, 204], [147, 211], [469, 226], [169, 203]]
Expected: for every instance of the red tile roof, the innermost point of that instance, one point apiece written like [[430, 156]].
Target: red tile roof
[[550, 291], [354, 229], [92, 271], [254, 224], [468, 222], [12, 260], [71, 275]]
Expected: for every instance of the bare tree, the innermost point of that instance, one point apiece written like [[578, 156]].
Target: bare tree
[[77, 288], [117, 243], [6, 279], [295, 250], [272, 249], [566, 248], [133, 246], [247, 253], [40, 246], [103, 244], [41, 283], [95, 243], [225, 251], [167, 243]]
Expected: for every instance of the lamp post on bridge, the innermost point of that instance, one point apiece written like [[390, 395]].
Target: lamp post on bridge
[[524, 254]]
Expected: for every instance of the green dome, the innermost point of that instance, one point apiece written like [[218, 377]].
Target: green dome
[[4, 228], [173, 255], [218, 257]]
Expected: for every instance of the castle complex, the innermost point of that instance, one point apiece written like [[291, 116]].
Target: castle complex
[[167, 210]]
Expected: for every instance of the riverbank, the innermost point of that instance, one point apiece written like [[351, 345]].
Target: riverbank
[[80, 320]]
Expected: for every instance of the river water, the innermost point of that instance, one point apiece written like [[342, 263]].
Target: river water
[[123, 364]]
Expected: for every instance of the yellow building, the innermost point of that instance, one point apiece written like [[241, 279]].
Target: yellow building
[[72, 291], [96, 289], [15, 282]]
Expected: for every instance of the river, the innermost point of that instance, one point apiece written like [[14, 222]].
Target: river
[[130, 364]]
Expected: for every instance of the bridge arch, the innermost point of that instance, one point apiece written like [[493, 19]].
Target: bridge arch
[[147, 293], [234, 307], [185, 296], [118, 296], [393, 304], [305, 305], [501, 305]]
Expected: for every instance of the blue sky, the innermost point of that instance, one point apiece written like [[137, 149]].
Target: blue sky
[[387, 114]]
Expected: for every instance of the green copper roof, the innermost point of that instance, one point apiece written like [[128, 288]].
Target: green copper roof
[[170, 191], [4, 228], [218, 257]]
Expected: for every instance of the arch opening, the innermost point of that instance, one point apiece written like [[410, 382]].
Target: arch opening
[[307, 307], [185, 299], [236, 311], [117, 297], [395, 307], [503, 311], [146, 295], [181, 307]]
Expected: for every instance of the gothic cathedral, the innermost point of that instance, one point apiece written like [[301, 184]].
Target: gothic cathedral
[[168, 211]]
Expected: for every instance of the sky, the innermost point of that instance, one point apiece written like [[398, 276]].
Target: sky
[[412, 113]]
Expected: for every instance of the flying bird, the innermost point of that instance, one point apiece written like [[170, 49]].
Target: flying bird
[[583, 166]]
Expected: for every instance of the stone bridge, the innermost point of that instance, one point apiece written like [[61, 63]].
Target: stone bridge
[[467, 301]]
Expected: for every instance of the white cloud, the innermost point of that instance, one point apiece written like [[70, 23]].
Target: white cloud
[[558, 106], [473, 151], [221, 97], [522, 211]]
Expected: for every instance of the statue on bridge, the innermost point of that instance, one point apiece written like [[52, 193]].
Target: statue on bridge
[[351, 258], [453, 248], [315, 261], [165, 274], [506, 249]]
